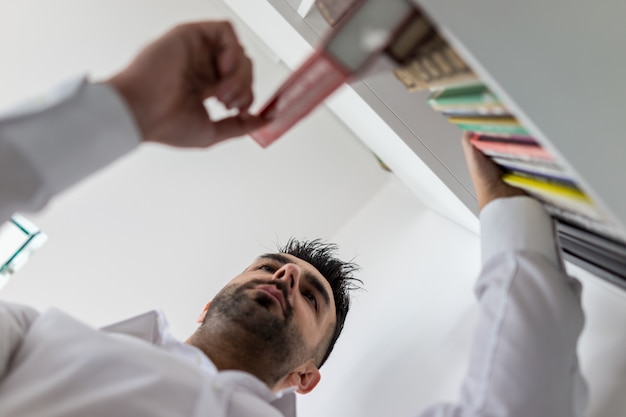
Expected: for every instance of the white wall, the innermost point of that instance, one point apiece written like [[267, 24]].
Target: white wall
[[406, 341], [162, 227]]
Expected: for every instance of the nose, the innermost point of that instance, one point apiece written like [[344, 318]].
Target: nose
[[289, 274]]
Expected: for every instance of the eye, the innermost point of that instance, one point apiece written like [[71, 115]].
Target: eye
[[311, 298], [267, 267]]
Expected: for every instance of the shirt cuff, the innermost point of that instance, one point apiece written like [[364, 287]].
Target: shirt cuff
[[72, 132], [517, 224]]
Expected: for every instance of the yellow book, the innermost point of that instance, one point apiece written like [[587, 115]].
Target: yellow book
[[562, 196], [486, 120], [539, 186]]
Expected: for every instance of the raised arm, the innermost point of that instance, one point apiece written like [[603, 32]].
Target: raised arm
[[523, 360], [14, 323], [77, 129]]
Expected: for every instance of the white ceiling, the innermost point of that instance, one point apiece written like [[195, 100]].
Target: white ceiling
[[166, 227]]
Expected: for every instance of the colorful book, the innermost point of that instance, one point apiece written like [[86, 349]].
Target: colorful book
[[475, 111], [540, 167], [342, 56], [489, 126], [511, 138], [433, 64], [493, 128], [545, 187], [523, 149], [562, 196], [468, 96], [556, 179]]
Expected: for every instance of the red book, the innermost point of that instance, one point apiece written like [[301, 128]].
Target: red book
[[523, 149], [315, 80], [363, 34]]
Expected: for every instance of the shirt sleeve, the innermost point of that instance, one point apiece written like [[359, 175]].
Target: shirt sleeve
[[14, 323], [523, 360], [55, 140]]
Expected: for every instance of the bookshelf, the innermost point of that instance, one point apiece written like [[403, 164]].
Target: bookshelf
[[557, 66]]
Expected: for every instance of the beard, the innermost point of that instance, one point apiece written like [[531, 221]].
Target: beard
[[272, 341]]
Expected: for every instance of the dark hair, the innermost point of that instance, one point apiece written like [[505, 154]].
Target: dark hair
[[337, 272]]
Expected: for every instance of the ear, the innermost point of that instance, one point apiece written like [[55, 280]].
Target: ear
[[305, 378], [202, 315]]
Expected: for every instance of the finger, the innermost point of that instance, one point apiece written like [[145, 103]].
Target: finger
[[482, 169], [224, 40], [236, 90], [486, 175], [232, 127]]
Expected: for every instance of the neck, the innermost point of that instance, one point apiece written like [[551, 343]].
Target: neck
[[230, 351]]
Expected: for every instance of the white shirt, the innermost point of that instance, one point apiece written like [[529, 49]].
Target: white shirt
[[523, 361], [54, 141], [52, 365]]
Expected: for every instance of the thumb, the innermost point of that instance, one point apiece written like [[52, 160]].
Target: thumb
[[235, 126]]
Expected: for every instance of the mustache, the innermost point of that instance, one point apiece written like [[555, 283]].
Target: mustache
[[280, 286]]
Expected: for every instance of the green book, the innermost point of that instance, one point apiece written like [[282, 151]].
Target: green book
[[494, 128], [463, 95]]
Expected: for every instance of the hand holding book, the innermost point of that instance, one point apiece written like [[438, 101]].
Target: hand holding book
[[486, 176]]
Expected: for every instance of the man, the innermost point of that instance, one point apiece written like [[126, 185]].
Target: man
[[269, 331], [263, 336], [277, 321]]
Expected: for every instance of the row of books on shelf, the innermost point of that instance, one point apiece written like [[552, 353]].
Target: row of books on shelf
[[525, 163], [585, 234], [425, 61]]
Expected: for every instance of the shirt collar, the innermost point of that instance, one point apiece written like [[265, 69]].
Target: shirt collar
[[284, 400]]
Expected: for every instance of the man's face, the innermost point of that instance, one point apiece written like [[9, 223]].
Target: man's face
[[284, 304]]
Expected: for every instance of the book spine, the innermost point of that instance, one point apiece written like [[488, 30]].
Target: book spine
[[429, 62], [549, 188], [540, 166], [472, 111], [566, 198], [528, 150], [493, 128], [532, 169], [465, 96], [556, 179]]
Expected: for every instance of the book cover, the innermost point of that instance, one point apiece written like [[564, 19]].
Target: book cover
[[365, 32], [315, 80]]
